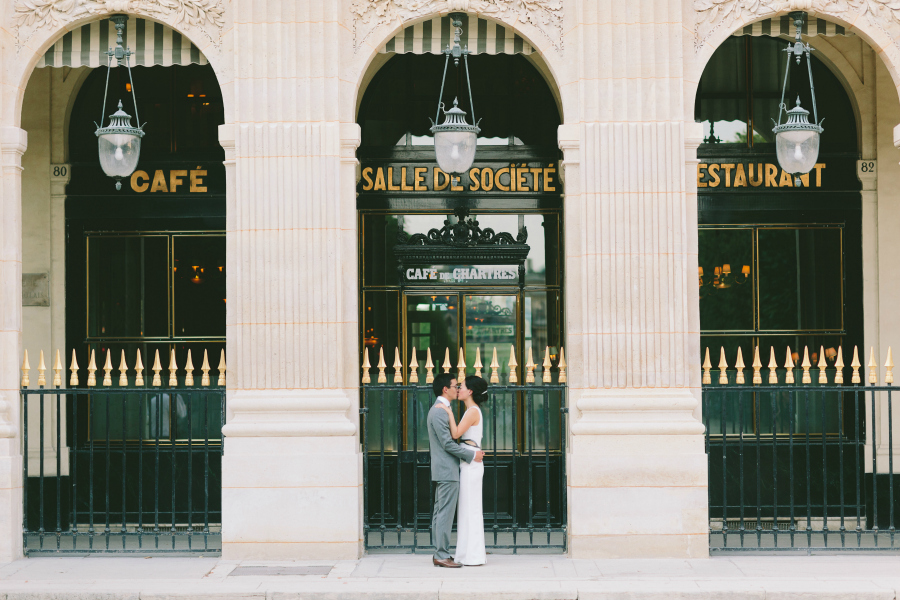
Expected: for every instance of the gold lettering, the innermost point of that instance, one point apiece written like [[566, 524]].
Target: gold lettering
[[521, 181], [771, 174], [438, 186], [390, 181], [197, 180], [700, 175], [535, 173], [714, 174], [513, 177], [785, 180], [548, 179], [818, 168], [367, 179], [159, 182], [140, 175], [805, 179], [420, 179], [455, 184], [500, 186], [379, 180], [403, 185], [175, 179], [740, 178], [473, 178], [759, 174], [487, 179], [728, 169]]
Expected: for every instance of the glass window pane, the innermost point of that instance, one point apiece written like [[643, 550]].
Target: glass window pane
[[800, 279], [381, 315], [199, 265], [722, 95], [726, 281], [128, 286]]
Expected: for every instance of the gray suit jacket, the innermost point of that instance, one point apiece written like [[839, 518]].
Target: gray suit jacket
[[445, 452]]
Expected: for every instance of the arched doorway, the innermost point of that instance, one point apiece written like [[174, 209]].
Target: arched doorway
[[139, 461], [457, 313], [780, 271]]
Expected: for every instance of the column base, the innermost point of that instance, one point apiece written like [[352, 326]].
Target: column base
[[639, 546]]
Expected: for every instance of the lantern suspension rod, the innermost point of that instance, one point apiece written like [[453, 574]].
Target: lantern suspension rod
[[119, 53], [787, 70], [812, 87], [469, 85], [437, 115]]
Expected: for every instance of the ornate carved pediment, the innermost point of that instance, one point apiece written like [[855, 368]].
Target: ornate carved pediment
[[713, 15], [205, 16], [545, 15], [463, 241]]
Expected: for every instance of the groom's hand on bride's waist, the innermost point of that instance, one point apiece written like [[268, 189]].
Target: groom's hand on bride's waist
[[479, 456]]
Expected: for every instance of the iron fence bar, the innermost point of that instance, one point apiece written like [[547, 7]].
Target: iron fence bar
[[107, 458], [857, 463], [58, 472], [415, 465], [158, 411], [822, 401], [364, 410], [724, 473], [173, 437], [564, 509], [774, 471], [142, 400], [841, 467], [874, 471], [547, 489], [25, 469], [124, 466], [808, 473], [757, 409], [206, 470], [515, 462], [890, 421], [73, 468], [90, 473], [399, 464], [41, 470], [529, 444], [791, 428], [496, 475], [381, 473], [741, 457], [190, 471]]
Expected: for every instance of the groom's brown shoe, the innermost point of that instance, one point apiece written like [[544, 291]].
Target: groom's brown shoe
[[446, 562]]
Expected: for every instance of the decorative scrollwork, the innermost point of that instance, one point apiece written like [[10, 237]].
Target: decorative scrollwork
[[465, 233], [206, 16], [545, 15]]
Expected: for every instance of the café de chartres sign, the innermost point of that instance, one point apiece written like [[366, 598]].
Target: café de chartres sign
[[495, 177], [753, 175], [500, 274]]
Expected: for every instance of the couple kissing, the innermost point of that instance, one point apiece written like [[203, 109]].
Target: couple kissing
[[458, 470]]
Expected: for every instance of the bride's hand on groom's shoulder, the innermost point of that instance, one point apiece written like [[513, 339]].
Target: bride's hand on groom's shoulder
[[447, 410]]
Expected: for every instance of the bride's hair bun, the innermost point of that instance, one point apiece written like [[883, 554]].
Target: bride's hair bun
[[479, 388]]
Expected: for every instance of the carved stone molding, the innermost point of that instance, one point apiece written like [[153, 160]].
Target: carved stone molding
[[205, 16], [545, 15], [713, 15]]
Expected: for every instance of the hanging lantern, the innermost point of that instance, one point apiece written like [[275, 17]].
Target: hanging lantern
[[455, 140], [797, 140], [119, 143]]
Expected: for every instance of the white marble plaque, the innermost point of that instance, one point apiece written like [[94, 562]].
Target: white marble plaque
[[35, 289]]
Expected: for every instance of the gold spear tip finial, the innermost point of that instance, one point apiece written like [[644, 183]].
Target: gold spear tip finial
[[757, 363], [872, 363], [890, 358], [546, 364], [806, 364], [25, 364], [839, 361], [205, 366], [788, 359], [855, 362], [41, 365], [772, 363], [74, 365], [478, 364], [512, 356], [189, 364], [723, 364], [381, 363], [739, 364], [414, 363], [822, 364], [706, 362], [428, 363], [397, 363], [156, 364], [57, 364]]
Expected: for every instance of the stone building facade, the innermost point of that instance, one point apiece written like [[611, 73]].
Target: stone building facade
[[292, 75]]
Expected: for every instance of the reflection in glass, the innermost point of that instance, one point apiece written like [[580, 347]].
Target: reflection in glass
[[199, 279], [725, 279]]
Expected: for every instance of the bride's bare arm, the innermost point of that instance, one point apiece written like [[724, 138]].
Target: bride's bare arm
[[468, 419], [454, 430]]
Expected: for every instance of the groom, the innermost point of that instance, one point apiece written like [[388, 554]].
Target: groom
[[445, 457]]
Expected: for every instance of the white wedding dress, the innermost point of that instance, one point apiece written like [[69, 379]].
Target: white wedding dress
[[470, 517]]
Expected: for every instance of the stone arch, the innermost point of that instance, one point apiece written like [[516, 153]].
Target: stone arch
[[547, 59], [709, 35], [32, 38]]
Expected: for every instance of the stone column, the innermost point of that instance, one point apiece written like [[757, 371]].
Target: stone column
[[637, 467], [13, 142]]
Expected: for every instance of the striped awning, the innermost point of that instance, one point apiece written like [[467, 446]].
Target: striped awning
[[479, 35], [785, 26], [151, 43]]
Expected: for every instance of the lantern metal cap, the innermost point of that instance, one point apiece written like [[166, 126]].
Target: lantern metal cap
[[454, 120], [120, 122], [798, 120]]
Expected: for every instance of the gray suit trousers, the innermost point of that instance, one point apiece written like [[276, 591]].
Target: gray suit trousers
[[446, 495]]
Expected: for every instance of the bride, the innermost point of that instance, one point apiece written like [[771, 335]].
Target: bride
[[470, 517]]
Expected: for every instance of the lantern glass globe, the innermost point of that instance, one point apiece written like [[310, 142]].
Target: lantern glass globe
[[797, 149], [119, 153], [455, 150]]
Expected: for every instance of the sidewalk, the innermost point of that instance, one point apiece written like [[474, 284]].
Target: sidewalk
[[412, 577]]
